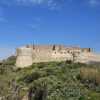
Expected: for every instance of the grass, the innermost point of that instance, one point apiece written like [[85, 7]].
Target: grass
[[56, 80]]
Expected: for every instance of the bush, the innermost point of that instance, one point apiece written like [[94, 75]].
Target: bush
[[69, 61], [38, 92], [30, 78]]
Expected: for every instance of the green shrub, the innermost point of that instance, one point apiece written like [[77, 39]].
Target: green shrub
[[38, 92], [30, 78]]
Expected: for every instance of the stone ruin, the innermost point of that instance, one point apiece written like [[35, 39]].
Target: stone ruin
[[30, 54]]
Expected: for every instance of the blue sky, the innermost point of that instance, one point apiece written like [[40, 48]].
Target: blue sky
[[69, 22]]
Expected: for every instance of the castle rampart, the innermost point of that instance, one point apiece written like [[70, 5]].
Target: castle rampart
[[45, 53]]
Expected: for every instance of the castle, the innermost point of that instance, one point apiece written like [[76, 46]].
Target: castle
[[29, 54]]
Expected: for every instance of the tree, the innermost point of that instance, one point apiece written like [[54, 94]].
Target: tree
[[38, 92], [54, 47]]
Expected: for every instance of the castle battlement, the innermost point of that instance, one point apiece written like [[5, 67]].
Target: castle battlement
[[29, 54]]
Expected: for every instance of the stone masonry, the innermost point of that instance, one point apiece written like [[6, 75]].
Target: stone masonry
[[30, 54]]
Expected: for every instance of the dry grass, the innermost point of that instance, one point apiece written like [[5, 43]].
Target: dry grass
[[91, 74]]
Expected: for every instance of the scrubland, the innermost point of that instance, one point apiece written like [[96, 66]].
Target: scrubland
[[49, 81]]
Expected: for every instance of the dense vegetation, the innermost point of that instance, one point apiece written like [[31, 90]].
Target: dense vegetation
[[49, 81]]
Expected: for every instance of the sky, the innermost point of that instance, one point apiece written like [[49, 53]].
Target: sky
[[67, 22]]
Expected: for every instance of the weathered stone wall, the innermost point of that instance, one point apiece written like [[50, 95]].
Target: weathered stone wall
[[24, 57], [39, 53], [86, 57]]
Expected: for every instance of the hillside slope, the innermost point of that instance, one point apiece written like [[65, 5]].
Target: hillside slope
[[45, 81]]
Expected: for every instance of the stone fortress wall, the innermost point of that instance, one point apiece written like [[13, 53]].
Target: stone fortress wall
[[45, 53]]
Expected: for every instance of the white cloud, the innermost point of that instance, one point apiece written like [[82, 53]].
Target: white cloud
[[94, 2], [21, 2], [30, 1], [2, 19], [51, 4], [36, 23]]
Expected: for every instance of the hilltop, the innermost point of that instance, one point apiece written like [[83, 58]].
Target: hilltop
[[46, 81]]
